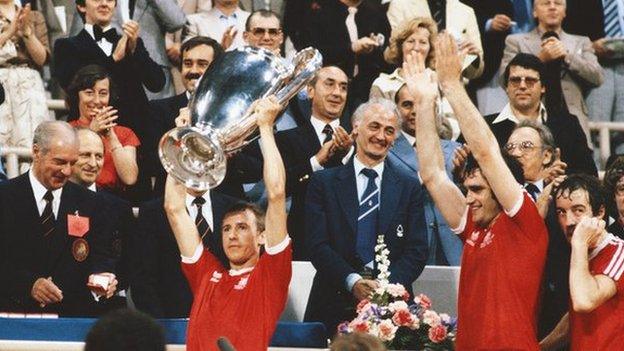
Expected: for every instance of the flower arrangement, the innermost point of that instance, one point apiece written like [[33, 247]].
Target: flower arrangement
[[388, 316]]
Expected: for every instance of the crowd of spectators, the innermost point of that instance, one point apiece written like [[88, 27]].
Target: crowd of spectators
[[537, 71]]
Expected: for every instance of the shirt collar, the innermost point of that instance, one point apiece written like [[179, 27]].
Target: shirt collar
[[92, 187], [220, 14], [236, 272], [601, 245], [39, 190], [89, 28], [507, 114], [359, 166], [538, 183], [410, 138], [318, 124]]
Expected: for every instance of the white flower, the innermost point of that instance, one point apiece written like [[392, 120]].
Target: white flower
[[387, 330], [398, 305], [446, 319], [430, 317]]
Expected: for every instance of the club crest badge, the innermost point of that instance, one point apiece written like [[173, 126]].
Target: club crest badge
[[80, 250]]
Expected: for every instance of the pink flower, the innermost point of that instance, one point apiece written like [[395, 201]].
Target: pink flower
[[403, 318], [361, 306], [423, 300], [359, 326], [396, 290], [387, 330], [437, 334], [431, 318]]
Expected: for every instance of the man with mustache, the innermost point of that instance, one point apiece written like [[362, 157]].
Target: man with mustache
[[349, 206], [594, 321], [54, 234]]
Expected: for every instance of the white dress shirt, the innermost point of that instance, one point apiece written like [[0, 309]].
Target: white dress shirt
[[508, 114], [318, 126], [39, 191], [206, 208], [104, 44]]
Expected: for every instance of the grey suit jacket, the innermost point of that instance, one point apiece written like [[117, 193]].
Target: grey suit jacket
[[55, 29], [583, 69], [155, 18], [276, 6]]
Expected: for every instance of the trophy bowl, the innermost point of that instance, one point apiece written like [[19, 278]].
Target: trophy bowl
[[221, 119]]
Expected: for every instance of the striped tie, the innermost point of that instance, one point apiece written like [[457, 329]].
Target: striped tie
[[612, 19], [367, 218], [200, 222], [47, 217]]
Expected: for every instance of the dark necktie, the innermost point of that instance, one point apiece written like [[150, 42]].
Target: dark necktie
[[438, 9], [533, 190], [109, 35], [200, 222], [367, 218], [47, 217], [131, 4], [329, 133]]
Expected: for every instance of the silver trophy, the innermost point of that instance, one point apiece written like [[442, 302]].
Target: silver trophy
[[221, 120]]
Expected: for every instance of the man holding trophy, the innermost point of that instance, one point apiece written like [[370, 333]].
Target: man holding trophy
[[243, 303]]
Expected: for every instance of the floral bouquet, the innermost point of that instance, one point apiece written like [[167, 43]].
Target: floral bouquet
[[388, 316]]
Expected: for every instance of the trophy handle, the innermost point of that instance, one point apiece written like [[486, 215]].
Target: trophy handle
[[305, 64]]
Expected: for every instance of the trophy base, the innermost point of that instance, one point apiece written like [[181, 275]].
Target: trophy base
[[193, 156]]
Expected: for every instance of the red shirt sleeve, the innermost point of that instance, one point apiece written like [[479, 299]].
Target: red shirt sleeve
[[528, 219], [610, 262], [204, 267], [126, 136]]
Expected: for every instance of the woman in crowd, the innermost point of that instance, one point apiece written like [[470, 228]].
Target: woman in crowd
[[23, 51], [614, 185], [89, 98]]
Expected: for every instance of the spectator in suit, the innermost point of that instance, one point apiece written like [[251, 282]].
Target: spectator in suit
[[242, 300], [524, 85], [319, 142], [602, 21], [445, 248], [596, 265], [451, 16], [225, 23], [534, 147], [505, 238], [345, 33], [347, 207], [614, 186], [156, 19], [84, 173], [88, 98], [63, 238], [123, 56], [24, 50], [571, 55], [159, 287]]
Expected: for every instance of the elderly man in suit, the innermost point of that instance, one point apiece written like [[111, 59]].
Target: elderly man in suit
[[572, 55], [347, 207], [445, 248], [155, 18], [54, 235], [450, 15]]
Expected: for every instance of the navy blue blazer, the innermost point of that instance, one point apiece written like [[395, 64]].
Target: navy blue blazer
[[26, 255], [445, 248], [331, 213]]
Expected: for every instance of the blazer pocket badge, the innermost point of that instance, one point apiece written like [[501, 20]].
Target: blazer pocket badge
[[399, 231]]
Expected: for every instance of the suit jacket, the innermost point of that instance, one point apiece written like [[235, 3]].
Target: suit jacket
[[331, 214], [324, 28], [297, 146], [568, 135], [580, 72], [55, 28], [27, 255], [445, 247], [460, 20], [160, 288], [129, 75], [155, 18], [208, 24], [493, 42], [585, 17], [241, 168]]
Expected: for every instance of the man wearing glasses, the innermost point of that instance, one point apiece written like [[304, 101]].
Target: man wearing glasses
[[263, 29], [522, 81]]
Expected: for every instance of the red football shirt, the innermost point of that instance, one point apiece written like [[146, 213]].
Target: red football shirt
[[244, 306], [602, 328], [108, 176], [501, 273]]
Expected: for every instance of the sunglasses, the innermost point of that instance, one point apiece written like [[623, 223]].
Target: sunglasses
[[529, 81], [522, 146], [259, 32]]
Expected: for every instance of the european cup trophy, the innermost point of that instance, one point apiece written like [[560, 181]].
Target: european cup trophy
[[221, 120]]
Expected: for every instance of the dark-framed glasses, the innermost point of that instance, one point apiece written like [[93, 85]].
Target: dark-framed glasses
[[529, 81], [522, 146], [260, 32]]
